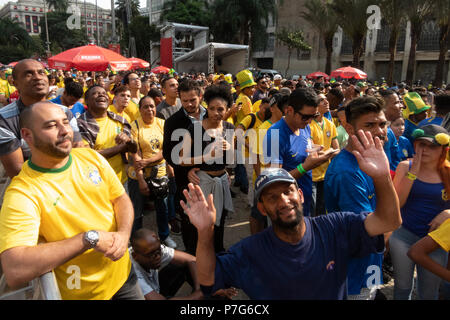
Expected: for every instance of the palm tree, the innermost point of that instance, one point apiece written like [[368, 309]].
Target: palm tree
[[395, 18], [15, 42], [121, 11], [417, 11], [442, 14], [322, 17], [247, 20], [292, 40], [58, 5], [353, 20]]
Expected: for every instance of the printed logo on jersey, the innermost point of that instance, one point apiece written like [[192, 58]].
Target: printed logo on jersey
[[444, 195], [371, 196], [93, 175], [328, 134], [405, 152], [330, 265]]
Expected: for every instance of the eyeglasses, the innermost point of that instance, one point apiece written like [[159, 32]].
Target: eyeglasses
[[306, 117], [151, 254]]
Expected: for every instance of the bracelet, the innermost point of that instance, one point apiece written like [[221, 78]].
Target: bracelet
[[301, 169], [411, 176]]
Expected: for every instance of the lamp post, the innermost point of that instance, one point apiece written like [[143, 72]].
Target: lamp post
[[149, 5], [46, 28]]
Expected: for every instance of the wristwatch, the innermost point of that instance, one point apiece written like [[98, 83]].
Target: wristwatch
[[91, 237]]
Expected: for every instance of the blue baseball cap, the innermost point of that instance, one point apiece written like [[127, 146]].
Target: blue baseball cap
[[270, 176]]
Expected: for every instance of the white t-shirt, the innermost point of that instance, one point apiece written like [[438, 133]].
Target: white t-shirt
[[149, 281]]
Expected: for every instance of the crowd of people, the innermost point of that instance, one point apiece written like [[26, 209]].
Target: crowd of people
[[346, 184]]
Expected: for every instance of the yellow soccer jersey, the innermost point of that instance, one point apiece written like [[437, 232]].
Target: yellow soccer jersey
[[442, 235], [251, 138], [49, 205], [150, 140], [322, 135], [245, 109], [256, 105], [113, 109], [109, 129], [133, 110]]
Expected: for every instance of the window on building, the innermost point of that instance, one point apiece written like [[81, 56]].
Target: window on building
[[28, 24], [429, 39], [35, 24]]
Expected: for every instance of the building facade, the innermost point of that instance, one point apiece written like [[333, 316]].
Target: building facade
[[30, 12], [375, 60]]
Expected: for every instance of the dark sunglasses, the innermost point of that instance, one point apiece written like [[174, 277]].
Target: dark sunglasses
[[306, 117]]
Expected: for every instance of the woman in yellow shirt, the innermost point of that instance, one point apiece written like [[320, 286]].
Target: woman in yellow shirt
[[148, 132]]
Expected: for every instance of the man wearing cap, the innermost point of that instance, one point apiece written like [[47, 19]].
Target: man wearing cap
[[414, 113], [297, 257], [277, 81], [6, 86], [288, 143], [31, 82]]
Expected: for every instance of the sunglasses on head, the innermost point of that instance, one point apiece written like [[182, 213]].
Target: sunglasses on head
[[306, 117]]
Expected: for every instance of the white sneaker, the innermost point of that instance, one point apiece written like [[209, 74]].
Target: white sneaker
[[170, 243]]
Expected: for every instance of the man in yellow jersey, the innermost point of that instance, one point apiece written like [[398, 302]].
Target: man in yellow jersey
[[122, 98], [105, 131], [323, 133], [275, 112], [133, 82], [66, 211]]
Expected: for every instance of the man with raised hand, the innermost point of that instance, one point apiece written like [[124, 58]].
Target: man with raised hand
[[297, 257]]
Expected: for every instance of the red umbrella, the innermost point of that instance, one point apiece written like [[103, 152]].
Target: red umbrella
[[12, 64], [139, 63], [317, 74], [348, 73], [89, 58], [160, 69]]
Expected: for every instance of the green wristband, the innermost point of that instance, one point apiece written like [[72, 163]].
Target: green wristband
[[301, 169]]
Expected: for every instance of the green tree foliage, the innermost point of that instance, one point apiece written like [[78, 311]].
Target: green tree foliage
[[15, 42], [353, 20], [142, 32], [242, 22], [441, 12], [417, 11], [57, 5], [60, 37], [293, 40], [195, 12], [322, 17]]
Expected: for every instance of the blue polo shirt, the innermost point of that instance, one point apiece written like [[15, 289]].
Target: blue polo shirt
[[291, 152], [403, 150], [348, 188], [432, 120], [77, 109], [409, 129]]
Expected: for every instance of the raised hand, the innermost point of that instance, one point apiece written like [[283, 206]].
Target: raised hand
[[201, 212], [370, 154]]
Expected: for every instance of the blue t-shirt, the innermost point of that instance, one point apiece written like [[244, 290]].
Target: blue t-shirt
[[403, 150], [291, 152], [432, 120], [267, 268], [348, 188], [390, 147], [425, 201], [77, 109], [409, 129]]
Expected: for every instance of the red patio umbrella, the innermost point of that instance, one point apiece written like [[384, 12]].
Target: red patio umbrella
[[317, 74], [160, 69], [348, 73], [139, 63], [89, 58], [12, 64]]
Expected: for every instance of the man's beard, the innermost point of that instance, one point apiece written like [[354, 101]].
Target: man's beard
[[52, 149], [289, 225]]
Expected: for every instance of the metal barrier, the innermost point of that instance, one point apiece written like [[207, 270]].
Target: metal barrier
[[44, 287]]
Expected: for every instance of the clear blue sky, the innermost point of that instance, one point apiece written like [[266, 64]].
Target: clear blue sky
[[106, 4]]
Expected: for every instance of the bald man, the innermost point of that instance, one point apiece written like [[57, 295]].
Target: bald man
[[66, 211], [31, 81]]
